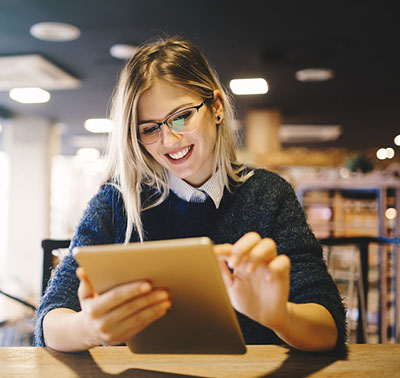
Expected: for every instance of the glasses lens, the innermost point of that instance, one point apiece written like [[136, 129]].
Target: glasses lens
[[149, 132], [185, 120]]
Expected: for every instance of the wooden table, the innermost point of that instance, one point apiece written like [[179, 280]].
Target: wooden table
[[381, 361]]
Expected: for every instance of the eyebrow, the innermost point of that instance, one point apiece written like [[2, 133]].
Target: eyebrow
[[170, 113]]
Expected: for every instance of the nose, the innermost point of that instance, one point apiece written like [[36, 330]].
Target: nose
[[168, 136]]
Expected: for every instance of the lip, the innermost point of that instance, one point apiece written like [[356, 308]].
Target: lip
[[181, 160]]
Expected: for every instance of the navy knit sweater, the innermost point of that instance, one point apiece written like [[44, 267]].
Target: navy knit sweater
[[265, 203]]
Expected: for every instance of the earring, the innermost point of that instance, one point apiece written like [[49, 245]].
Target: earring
[[218, 118]]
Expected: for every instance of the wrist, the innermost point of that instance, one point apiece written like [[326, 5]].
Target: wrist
[[87, 338], [282, 323]]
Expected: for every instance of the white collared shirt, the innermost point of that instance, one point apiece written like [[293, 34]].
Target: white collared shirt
[[213, 187]]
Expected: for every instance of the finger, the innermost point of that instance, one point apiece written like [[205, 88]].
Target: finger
[[134, 306], [279, 267], [242, 247], [85, 289], [136, 323], [222, 249], [118, 295], [263, 252]]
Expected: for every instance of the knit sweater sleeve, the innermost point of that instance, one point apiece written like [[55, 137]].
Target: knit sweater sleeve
[[310, 280], [102, 223]]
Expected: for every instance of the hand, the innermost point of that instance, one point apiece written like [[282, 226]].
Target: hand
[[259, 284], [118, 314]]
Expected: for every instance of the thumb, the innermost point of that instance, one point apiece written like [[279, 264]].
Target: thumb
[[85, 288]]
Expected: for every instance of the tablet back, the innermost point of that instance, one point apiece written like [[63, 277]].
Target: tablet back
[[201, 319]]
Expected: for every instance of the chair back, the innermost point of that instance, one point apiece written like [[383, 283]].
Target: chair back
[[49, 246]]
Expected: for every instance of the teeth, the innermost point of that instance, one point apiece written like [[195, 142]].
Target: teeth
[[180, 154]]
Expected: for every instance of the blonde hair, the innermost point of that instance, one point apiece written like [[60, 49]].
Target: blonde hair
[[179, 62]]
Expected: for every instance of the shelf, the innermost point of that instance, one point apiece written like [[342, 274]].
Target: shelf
[[354, 210]]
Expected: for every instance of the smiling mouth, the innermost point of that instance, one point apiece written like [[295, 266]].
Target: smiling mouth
[[181, 154]]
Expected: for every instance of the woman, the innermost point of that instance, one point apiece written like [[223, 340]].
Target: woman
[[172, 173]]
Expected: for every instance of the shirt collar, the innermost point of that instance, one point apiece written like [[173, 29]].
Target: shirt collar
[[213, 187]]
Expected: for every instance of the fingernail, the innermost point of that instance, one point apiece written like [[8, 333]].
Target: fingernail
[[144, 287], [162, 295]]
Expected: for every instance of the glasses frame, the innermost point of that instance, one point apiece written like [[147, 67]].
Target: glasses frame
[[165, 122]]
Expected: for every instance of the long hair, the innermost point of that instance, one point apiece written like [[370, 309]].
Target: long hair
[[180, 63]]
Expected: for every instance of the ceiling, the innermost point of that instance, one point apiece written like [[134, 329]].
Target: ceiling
[[272, 39]]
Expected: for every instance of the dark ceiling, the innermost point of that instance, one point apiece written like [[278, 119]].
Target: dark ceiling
[[271, 38]]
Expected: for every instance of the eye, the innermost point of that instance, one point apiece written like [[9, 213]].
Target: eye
[[148, 129], [181, 119]]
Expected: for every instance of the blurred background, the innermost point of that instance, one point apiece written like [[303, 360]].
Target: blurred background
[[325, 116]]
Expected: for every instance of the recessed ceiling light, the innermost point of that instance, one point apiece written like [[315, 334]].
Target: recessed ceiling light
[[314, 74], [55, 31], [123, 51], [30, 95], [98, 125], [249, 86], [397, 140]]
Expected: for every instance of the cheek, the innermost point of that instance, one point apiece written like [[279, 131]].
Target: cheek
[[211, 138], [209, 133], [151, 150]]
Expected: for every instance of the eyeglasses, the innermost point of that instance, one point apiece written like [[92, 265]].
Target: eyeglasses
[[179, 122]]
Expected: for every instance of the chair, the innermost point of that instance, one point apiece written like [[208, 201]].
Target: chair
[[49, 246]]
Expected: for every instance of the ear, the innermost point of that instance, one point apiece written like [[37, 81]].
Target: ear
[[217, 107]]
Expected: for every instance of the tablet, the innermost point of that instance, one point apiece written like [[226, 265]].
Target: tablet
[[201, 319]]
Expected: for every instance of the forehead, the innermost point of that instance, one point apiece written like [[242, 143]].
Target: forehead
[[161, 98]]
